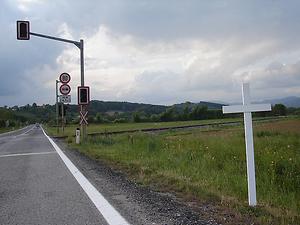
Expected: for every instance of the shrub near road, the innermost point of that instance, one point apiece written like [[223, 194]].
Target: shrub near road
[[210, 166]]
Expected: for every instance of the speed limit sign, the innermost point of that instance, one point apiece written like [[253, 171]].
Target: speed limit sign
[[65, 89], [64, 78]]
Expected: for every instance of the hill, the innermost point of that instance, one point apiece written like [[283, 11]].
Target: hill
[[191, 105], [291, 101]]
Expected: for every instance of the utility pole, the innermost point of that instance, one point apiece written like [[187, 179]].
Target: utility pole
[[83, 108], [62, 118], [23, 33], [57, 113]]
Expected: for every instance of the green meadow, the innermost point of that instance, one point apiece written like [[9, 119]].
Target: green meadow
[[111, 127], [209, 165]]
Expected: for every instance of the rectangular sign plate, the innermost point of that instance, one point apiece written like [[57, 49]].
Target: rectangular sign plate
[[65, 98]]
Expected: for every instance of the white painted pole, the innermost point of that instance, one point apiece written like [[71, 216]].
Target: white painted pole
[[250, 159], [77, 136], [249, 148]]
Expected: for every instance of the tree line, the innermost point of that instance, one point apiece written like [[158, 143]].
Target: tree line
[[122, 112]]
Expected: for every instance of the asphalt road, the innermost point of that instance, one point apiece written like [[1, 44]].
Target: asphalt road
[[44, 182], [36, 187]]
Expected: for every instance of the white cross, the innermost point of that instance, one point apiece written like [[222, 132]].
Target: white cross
[[247, 108]]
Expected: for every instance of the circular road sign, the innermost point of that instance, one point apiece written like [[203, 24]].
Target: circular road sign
[[65, 89], [64, 78]]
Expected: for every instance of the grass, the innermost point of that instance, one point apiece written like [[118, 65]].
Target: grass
[[210, 166], [8, 129], [92, 128], [70, 129]]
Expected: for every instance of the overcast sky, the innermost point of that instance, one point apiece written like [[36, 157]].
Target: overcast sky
[[154, 51]]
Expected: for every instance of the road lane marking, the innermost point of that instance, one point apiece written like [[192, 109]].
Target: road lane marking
[[110, 214], [25, 154]]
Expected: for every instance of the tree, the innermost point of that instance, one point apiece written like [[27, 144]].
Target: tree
[[186, 110], [199, 112], [279, 110], [136, 117], [98, 118], [168, 115]]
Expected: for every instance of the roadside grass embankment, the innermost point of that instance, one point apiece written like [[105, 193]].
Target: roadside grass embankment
[[9, 129], [209, 166]]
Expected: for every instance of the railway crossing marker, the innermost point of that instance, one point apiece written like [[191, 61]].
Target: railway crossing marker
[[83, 119], [247, 108]]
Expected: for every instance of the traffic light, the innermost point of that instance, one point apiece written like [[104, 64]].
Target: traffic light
[[23, 30], [83, 95]]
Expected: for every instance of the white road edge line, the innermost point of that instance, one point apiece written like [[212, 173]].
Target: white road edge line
[[110, 214], [25, 154]]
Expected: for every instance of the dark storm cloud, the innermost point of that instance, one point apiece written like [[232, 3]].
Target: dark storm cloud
[[171, 19]]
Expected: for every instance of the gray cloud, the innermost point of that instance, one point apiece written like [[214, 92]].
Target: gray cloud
[[244, 38]]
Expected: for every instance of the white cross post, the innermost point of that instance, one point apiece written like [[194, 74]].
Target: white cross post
[[247, 108]]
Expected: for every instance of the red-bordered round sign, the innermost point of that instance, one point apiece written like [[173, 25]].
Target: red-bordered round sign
[[64, 78], [65, 89]]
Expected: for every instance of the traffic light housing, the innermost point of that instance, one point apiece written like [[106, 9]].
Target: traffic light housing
[[23, 30], [83, 95]]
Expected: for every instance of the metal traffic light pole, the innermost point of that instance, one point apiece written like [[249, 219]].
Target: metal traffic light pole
[[81, 48], [23, 33]]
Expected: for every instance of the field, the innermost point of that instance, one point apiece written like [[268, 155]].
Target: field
[[111, 127], [209, 165]]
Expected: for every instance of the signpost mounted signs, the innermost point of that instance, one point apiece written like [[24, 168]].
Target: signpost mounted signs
[[64, 78], [65, 98], [65, 89]]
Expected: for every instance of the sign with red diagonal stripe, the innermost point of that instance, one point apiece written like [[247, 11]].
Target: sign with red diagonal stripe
[[83, 119]]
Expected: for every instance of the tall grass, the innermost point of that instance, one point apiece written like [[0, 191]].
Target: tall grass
[[211, 165]]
